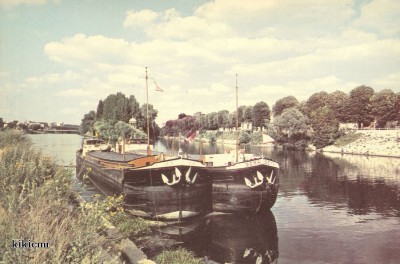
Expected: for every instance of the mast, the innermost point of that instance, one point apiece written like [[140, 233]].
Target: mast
[[147, 115], [237, 120]]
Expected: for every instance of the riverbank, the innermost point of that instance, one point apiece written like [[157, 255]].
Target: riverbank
[[384, 143], [40, 204]]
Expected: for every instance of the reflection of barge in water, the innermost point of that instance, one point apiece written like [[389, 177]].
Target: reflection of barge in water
[[227, 238], [153, 186]]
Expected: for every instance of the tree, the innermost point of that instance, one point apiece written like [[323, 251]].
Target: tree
[[182, 115], [383, 106], [223, 118], [358, 105], [116, 107], [337, 102], [325, 126], [142, 118], [99, 112], [1, 123], [248, 114], [291, 129], [284, 103], [316, 101], [261, 114], [88, 122], [212, 121], [232, 120]]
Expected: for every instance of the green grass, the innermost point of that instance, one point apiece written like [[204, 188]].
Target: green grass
[[178, 256], [347, 139], [11, 137], [36, 203]]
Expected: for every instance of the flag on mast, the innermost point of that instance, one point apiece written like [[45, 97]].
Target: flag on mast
[[158, 89]]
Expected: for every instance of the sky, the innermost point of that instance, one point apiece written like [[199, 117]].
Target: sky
[[58, 58]]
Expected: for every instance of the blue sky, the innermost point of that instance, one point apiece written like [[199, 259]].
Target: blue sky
[[58, 58]]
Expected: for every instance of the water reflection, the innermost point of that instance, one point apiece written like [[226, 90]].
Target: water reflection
[[362, 187], [230, 238]]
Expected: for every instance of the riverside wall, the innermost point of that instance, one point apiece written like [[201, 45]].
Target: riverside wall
[[372, 142]]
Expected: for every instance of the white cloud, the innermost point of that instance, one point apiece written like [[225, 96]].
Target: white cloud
[[13, 3], [279, 17], [391, 81], [140, 18], [53, 78], [381, 16], [81, 49]]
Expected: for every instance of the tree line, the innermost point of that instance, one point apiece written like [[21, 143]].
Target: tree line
[[110, 120], [296, 124]]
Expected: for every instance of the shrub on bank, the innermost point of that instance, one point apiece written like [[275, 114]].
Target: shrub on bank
[[128, 226]]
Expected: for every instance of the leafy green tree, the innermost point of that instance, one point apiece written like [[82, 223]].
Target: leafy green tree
[[232, 120], [398, 108], [141, 118], [358, 107], [284, 103], [325, 126], [212, 121], [99, 112], [262, 114], [116, 107], [244, 137], [316, 101], [248, 114], [291, 129], [88, 122], [338, 102], [182, 115], [104, 129], [383, 106], [123, 129], [223, 118]]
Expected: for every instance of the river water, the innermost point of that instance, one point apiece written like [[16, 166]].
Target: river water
[[331, 208]]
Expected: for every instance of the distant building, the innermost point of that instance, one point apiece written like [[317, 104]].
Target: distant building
[[246, 126], [133, 122]]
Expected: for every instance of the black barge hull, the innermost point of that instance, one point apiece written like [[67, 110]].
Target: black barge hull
[[167, 190], [250, 186]]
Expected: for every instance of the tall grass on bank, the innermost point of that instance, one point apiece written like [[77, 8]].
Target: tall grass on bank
[[347, 139], [11, 137], [36, 203]]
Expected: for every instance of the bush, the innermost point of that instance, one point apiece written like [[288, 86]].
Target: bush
[[244, 137]]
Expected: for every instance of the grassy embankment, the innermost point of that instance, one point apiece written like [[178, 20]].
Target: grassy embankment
[[368, 142], [37, 204]]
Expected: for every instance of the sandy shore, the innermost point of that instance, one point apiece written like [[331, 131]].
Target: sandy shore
[[372, 142]]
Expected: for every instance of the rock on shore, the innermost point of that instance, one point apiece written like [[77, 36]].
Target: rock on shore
[[372, 142]]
